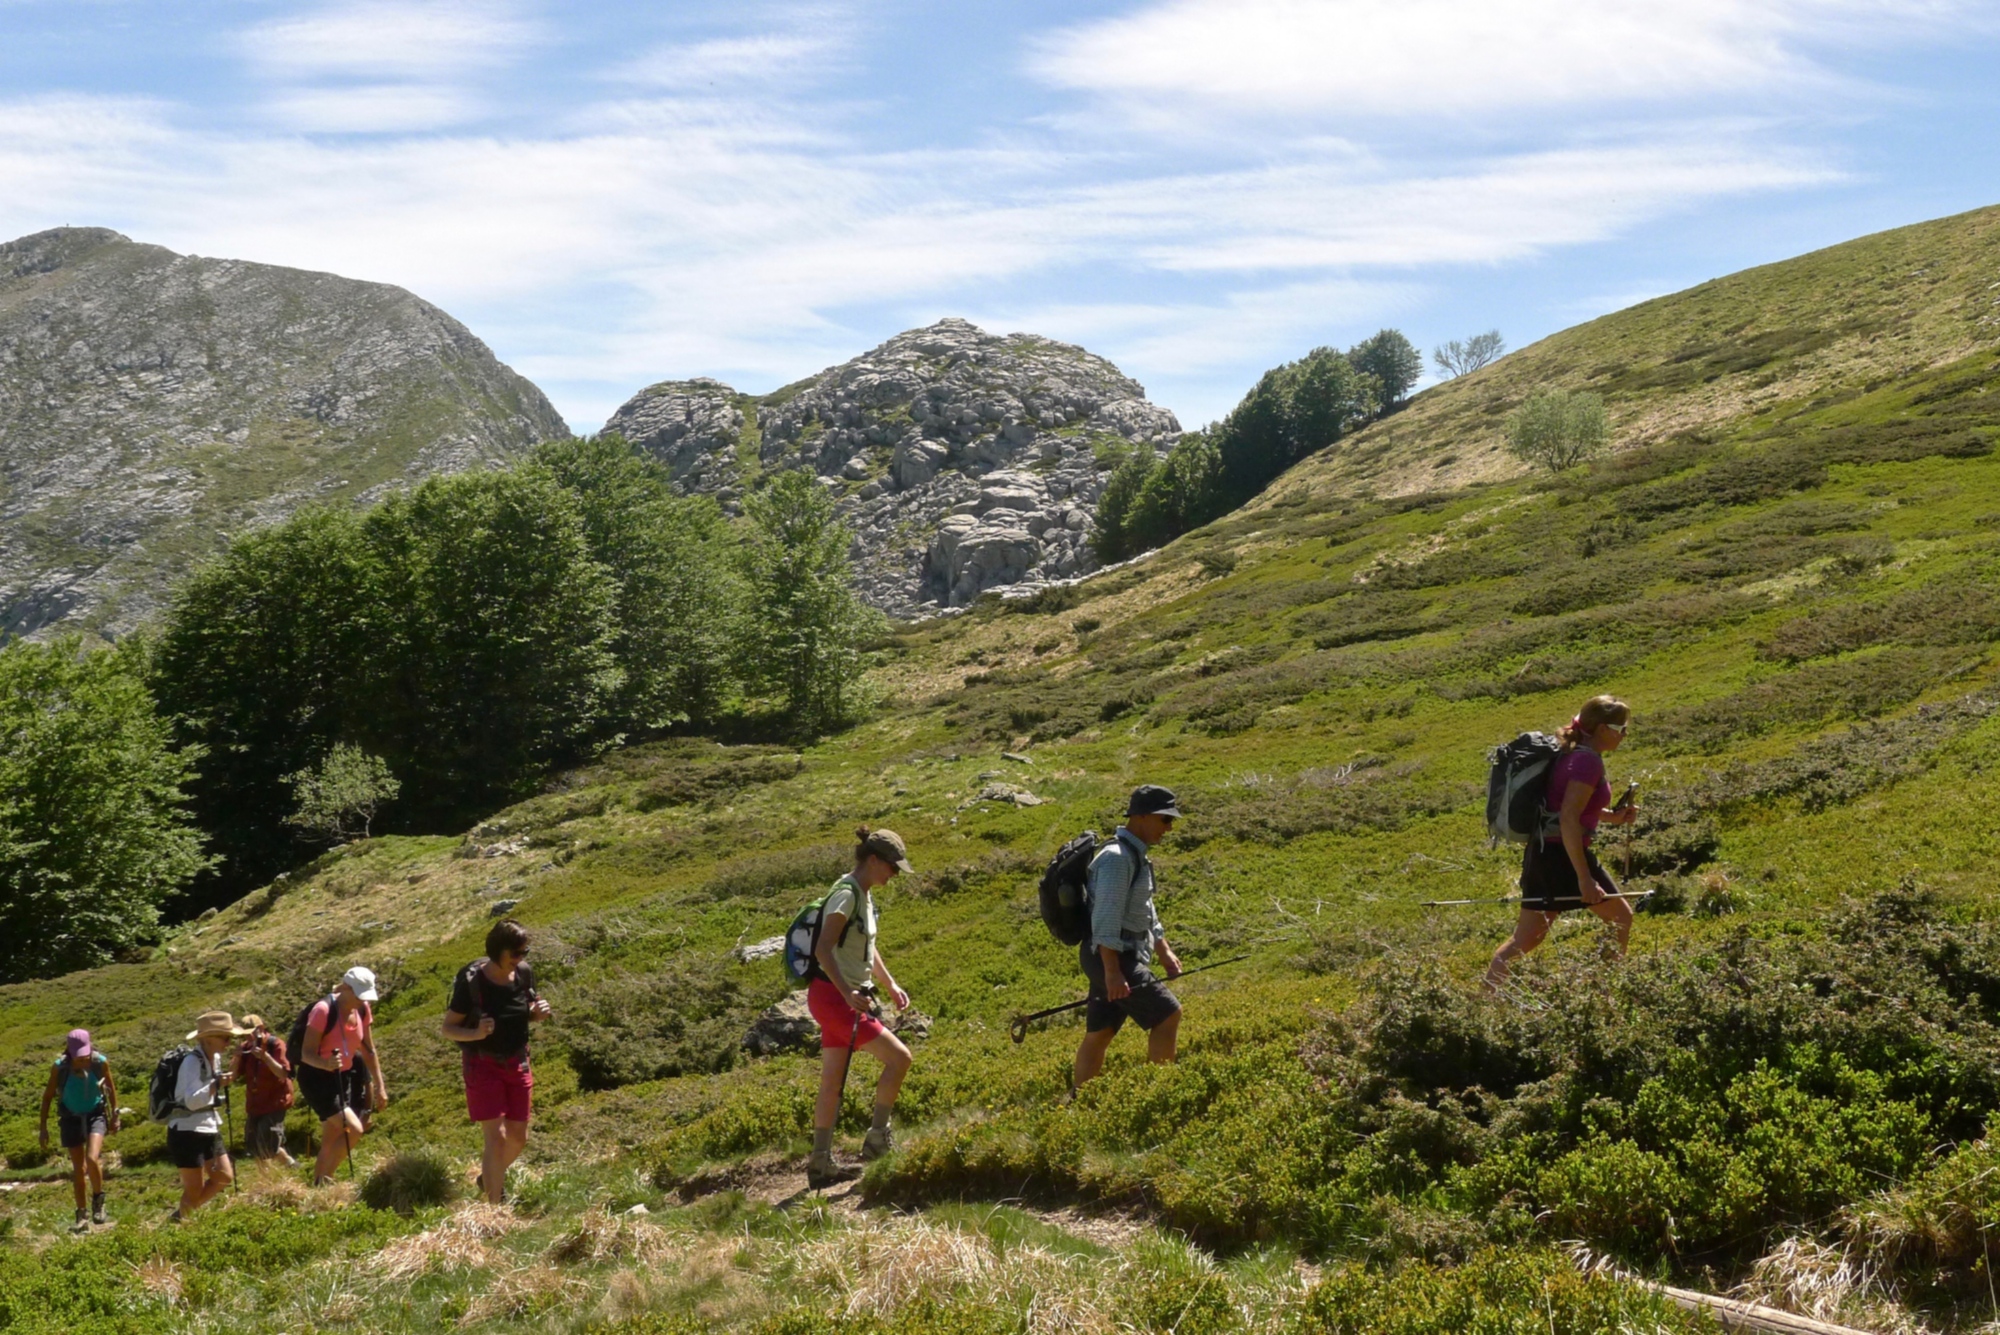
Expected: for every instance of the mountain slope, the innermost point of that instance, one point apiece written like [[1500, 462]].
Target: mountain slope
[[965, 461], [1799, 601], [151, 403], [1830, 324]]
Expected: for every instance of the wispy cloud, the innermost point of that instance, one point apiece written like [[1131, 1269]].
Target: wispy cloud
[[389, 39], [1415, 58]]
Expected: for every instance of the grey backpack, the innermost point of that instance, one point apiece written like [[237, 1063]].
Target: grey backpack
[[1517, 783]]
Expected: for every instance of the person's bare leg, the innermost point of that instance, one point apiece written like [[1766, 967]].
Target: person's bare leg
[[895, 1059], [1529, 929], [221, 1172], [1090, 1055], [338, 1135], [191, 1197], [79, 1174], [493, 1159], [832, 1070], [1161, 1039], [93, 1161], [1617, 912]]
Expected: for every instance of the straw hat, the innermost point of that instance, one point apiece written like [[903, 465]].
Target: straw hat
[[216, 1024]]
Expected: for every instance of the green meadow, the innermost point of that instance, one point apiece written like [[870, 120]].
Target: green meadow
[[1788, 567]]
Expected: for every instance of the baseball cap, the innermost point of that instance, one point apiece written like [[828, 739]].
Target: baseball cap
[[362, 980], [1149, 799], [78, 1044], [888, 846]]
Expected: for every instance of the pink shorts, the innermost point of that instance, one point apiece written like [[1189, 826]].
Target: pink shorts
[[497, 1086], [840, 1025]]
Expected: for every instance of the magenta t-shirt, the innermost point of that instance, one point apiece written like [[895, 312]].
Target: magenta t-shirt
[[1582, 765]]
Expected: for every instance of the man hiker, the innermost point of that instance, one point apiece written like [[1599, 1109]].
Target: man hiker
[[194, 1128], [80, 1084], [841, 1000], [493, 1002], [339, 1073], [1124, 935], [267, 1091]]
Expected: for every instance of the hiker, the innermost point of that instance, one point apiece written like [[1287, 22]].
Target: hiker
[[80, 1083], [843, 1005], [1125, 933], [493, 1002], [194, 1126], [267, 1092], [339, 1073], [1557, 877]]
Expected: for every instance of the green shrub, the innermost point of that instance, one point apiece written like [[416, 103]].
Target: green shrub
[[1863, 687], [1501, 1291], [625, 1028], [411, 1180]]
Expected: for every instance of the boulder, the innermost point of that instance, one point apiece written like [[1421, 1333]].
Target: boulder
[[785, 1027]]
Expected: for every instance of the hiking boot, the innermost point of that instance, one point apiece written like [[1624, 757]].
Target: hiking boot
[[97, 1208], [822, 1172], [82, 1223], [878, 1142]]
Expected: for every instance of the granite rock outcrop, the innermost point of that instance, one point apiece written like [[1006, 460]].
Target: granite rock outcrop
[[965, 461], [151, 404]]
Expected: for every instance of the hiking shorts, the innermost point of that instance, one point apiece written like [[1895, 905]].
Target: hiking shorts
[[497, 1087], [192, 1149], [840, 1025], [1147, 1005], [264, 1134], [1548, 878], [76, 1129], [328, 1091]]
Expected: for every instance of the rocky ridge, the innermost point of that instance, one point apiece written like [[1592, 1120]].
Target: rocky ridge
[[965, 461], [151, 404]]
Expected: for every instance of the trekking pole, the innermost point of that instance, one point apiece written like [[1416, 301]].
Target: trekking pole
[[229, 1134], [1515, 899], [1019, 1028], [346, 1134]]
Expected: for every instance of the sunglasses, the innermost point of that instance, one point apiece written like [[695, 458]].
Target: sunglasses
[[1618, 728]]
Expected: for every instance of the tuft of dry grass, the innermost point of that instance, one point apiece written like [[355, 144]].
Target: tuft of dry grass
[[271, 1187], [875, 1269], [459, 1243], [525, 1293], [160, 1278], [600, 1236]]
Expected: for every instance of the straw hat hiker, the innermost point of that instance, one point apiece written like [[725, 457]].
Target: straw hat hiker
[[216, 1024]]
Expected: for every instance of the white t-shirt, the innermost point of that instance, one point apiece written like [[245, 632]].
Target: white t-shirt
[[854, 954], [196, 1090]]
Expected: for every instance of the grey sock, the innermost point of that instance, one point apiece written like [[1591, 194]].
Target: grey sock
[[822, 1140], [881, 1121]]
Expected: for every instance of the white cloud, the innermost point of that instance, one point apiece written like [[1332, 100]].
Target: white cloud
[[388, 39], [375, 108], [1419, 57]]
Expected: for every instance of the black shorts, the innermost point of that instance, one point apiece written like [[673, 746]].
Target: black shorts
[[1148, 1004], [192, 1149], [264, 1134], [77, 1128], [1548, 877], [329, 1091]]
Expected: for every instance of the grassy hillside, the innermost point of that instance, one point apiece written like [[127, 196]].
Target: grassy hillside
[[1786, 1085]]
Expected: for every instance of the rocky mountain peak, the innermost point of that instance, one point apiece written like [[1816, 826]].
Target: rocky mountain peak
[[964, 460], [153, 403]]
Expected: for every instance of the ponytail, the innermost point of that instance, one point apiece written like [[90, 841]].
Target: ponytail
[[861, 833], [1596, 712]]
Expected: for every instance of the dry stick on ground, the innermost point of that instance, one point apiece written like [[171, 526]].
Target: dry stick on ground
[[1732, 1314]]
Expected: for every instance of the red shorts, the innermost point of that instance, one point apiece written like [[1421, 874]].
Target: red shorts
[[497, 1086], [840, 1025]]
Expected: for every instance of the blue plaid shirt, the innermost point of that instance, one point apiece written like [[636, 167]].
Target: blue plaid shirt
[[1121, 897]]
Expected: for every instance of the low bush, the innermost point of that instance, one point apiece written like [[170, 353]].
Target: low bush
[[1353, 798], [685, 1019], [411, 1180], [1510, 1291], [1944, 612], [1863, 687]]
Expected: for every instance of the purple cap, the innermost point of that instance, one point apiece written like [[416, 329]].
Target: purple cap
[[79, 1043]]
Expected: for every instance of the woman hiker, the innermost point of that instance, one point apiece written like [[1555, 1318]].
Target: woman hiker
[[267, 1092], [340, 1074], [1557, 877], [492, 1004], [844, 959], [80, 1084], [194, 1129]]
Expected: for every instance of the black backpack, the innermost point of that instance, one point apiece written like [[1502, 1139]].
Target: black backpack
[[160, 1101], [1065, 889], [1517, 784], [295, 1042]]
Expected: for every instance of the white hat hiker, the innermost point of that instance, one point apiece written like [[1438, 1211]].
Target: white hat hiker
[[362, 980]]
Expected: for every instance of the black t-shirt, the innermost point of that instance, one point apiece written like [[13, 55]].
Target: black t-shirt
[[474, 993]]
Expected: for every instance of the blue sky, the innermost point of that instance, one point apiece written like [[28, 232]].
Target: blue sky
[[619, 193]]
